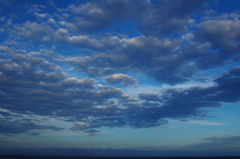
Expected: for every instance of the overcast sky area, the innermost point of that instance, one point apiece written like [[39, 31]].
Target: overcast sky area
[[137, 74]]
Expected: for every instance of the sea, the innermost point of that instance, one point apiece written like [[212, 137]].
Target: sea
[[65, 157]]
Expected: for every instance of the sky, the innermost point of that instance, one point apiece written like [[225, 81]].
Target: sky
[[123, 74]]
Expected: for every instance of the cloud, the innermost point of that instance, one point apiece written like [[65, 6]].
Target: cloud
[[16, 127], [149, 97], [221, 36], [72, 81], [51, 20], [85, 128], [163, 60], [218, 143], [168, 45], [95, 16], [120, 78], [42, 88], [39, 15], [175, 21], [235, 71], [198, 122], [34, 134], [2, 139]]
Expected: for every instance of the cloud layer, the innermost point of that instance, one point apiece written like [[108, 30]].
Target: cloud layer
[[74, 63]]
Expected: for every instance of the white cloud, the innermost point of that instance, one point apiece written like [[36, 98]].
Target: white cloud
[[39, 15], [74, 81], [51, 20], [120, 78]]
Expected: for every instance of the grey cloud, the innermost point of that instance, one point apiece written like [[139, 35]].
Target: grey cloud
[[149, 97], [16, 127], [23, 70], [5, 113], [105, 13], [225, 90], [91, 132], [170, 17], [163, 17], [94, 105], [41, 15], [87, 41], [162, 58], [221, 36], [203, 80], [69, 26], [167, 60], [32, 31], [34, 134], [80, 40], [223, 30], [72, 81], [120, 78], [84, 128], [235, 71], [150, 55]]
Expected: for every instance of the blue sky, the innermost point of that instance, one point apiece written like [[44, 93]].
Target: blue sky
[[141, 74]]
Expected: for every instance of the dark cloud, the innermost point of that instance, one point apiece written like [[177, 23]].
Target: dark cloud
[[16, 127], [169, 17], [149, 97], [93, 16], [84, 128], [235, 71], [161, 17], [220, 36], [203, 80]]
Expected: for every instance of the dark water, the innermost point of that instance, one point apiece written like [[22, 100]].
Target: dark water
[[64, 157]]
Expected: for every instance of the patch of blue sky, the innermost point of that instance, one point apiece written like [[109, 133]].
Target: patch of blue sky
[[125, 29], [222, 121], [225, 6]]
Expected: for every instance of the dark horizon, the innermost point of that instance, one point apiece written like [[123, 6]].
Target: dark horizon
[[90, 152]]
